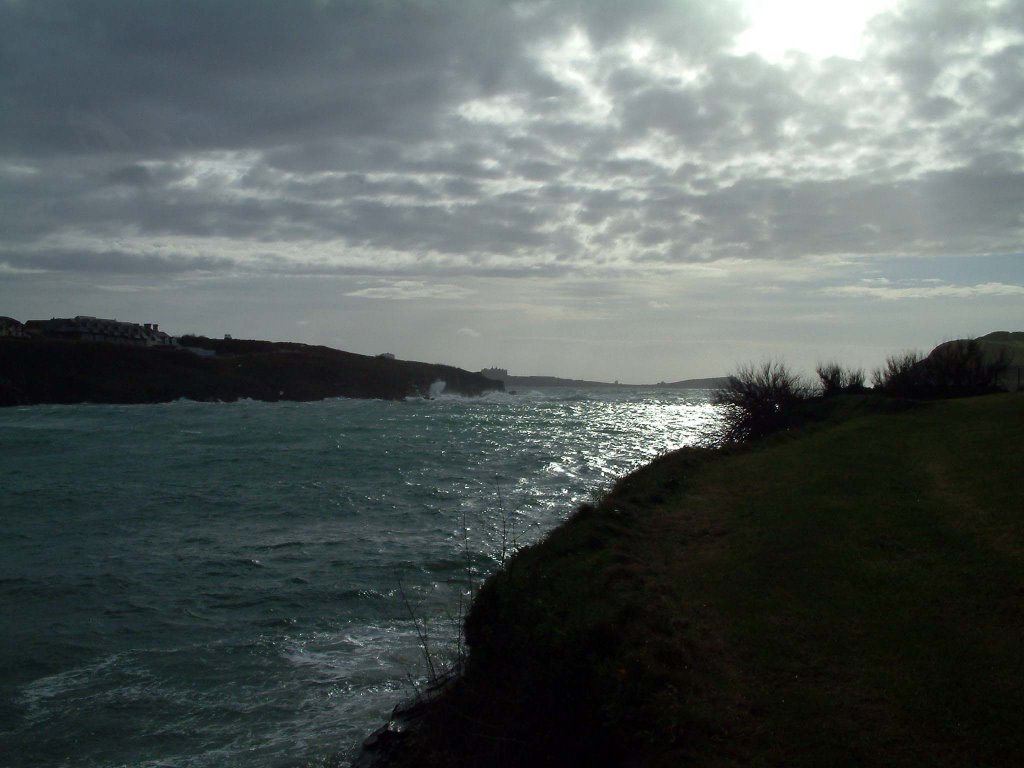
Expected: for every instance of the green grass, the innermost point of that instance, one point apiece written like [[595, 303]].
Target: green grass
[[851, 594]]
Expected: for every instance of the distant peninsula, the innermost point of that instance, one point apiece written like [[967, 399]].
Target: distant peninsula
[[89, 360], [512, 382]]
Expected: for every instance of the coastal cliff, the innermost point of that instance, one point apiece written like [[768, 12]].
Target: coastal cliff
[[847, 594], [52, 371]]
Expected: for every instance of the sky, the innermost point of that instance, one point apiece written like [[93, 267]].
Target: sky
[[643, 191]]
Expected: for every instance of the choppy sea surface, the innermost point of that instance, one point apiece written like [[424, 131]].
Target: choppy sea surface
[[211, 584]]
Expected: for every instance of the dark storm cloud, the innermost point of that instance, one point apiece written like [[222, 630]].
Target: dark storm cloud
[[132, 175], [495, 136], [94, 75], [961, 60], [737, 105], [923, 40], [105, 75]]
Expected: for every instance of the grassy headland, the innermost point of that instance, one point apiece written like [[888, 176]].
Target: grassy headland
[[849, 593], [53, 371]]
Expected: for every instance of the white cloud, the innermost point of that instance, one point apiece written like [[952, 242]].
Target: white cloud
[[926, 290], [9, 269], [128, 288], [405, 290]]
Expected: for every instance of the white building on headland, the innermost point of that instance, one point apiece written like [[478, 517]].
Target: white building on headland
[[86, 328], [495, 374]]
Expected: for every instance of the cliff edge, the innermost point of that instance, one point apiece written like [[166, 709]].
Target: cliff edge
[[849, 595]]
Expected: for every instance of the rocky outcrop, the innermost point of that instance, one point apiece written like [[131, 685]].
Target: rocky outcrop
[[384, 745]]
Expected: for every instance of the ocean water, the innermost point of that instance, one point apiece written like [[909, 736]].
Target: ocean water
[[211, 584]]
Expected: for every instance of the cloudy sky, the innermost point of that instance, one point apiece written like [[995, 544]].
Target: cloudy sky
[[640, 191]]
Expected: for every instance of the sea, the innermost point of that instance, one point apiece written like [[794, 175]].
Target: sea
[[259, 584]]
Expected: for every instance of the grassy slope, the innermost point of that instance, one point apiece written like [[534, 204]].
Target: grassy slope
[[849, 595]]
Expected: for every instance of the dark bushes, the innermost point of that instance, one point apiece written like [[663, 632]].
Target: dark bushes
[[836, 380], [898, 368], [760, 400], [954, 369], [962, 367]]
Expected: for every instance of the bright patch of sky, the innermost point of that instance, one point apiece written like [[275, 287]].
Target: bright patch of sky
[[819, 28]]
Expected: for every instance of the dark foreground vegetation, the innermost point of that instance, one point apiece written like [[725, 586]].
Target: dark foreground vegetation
[[761, 399], [847, 590], [848, 594], [49, 371]]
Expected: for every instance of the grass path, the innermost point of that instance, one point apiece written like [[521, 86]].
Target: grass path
[[871, 594]]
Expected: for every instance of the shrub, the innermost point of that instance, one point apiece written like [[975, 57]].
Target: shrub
[[898, 368], [953, 369], [759, 400], [962, 368], [834, 379]]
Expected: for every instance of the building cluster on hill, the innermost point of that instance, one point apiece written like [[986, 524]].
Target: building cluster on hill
[[85, 328], [495, 374]]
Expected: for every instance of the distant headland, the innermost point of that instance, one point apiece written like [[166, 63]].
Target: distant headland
[[92, 359], [88, 359], [525, 382]]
